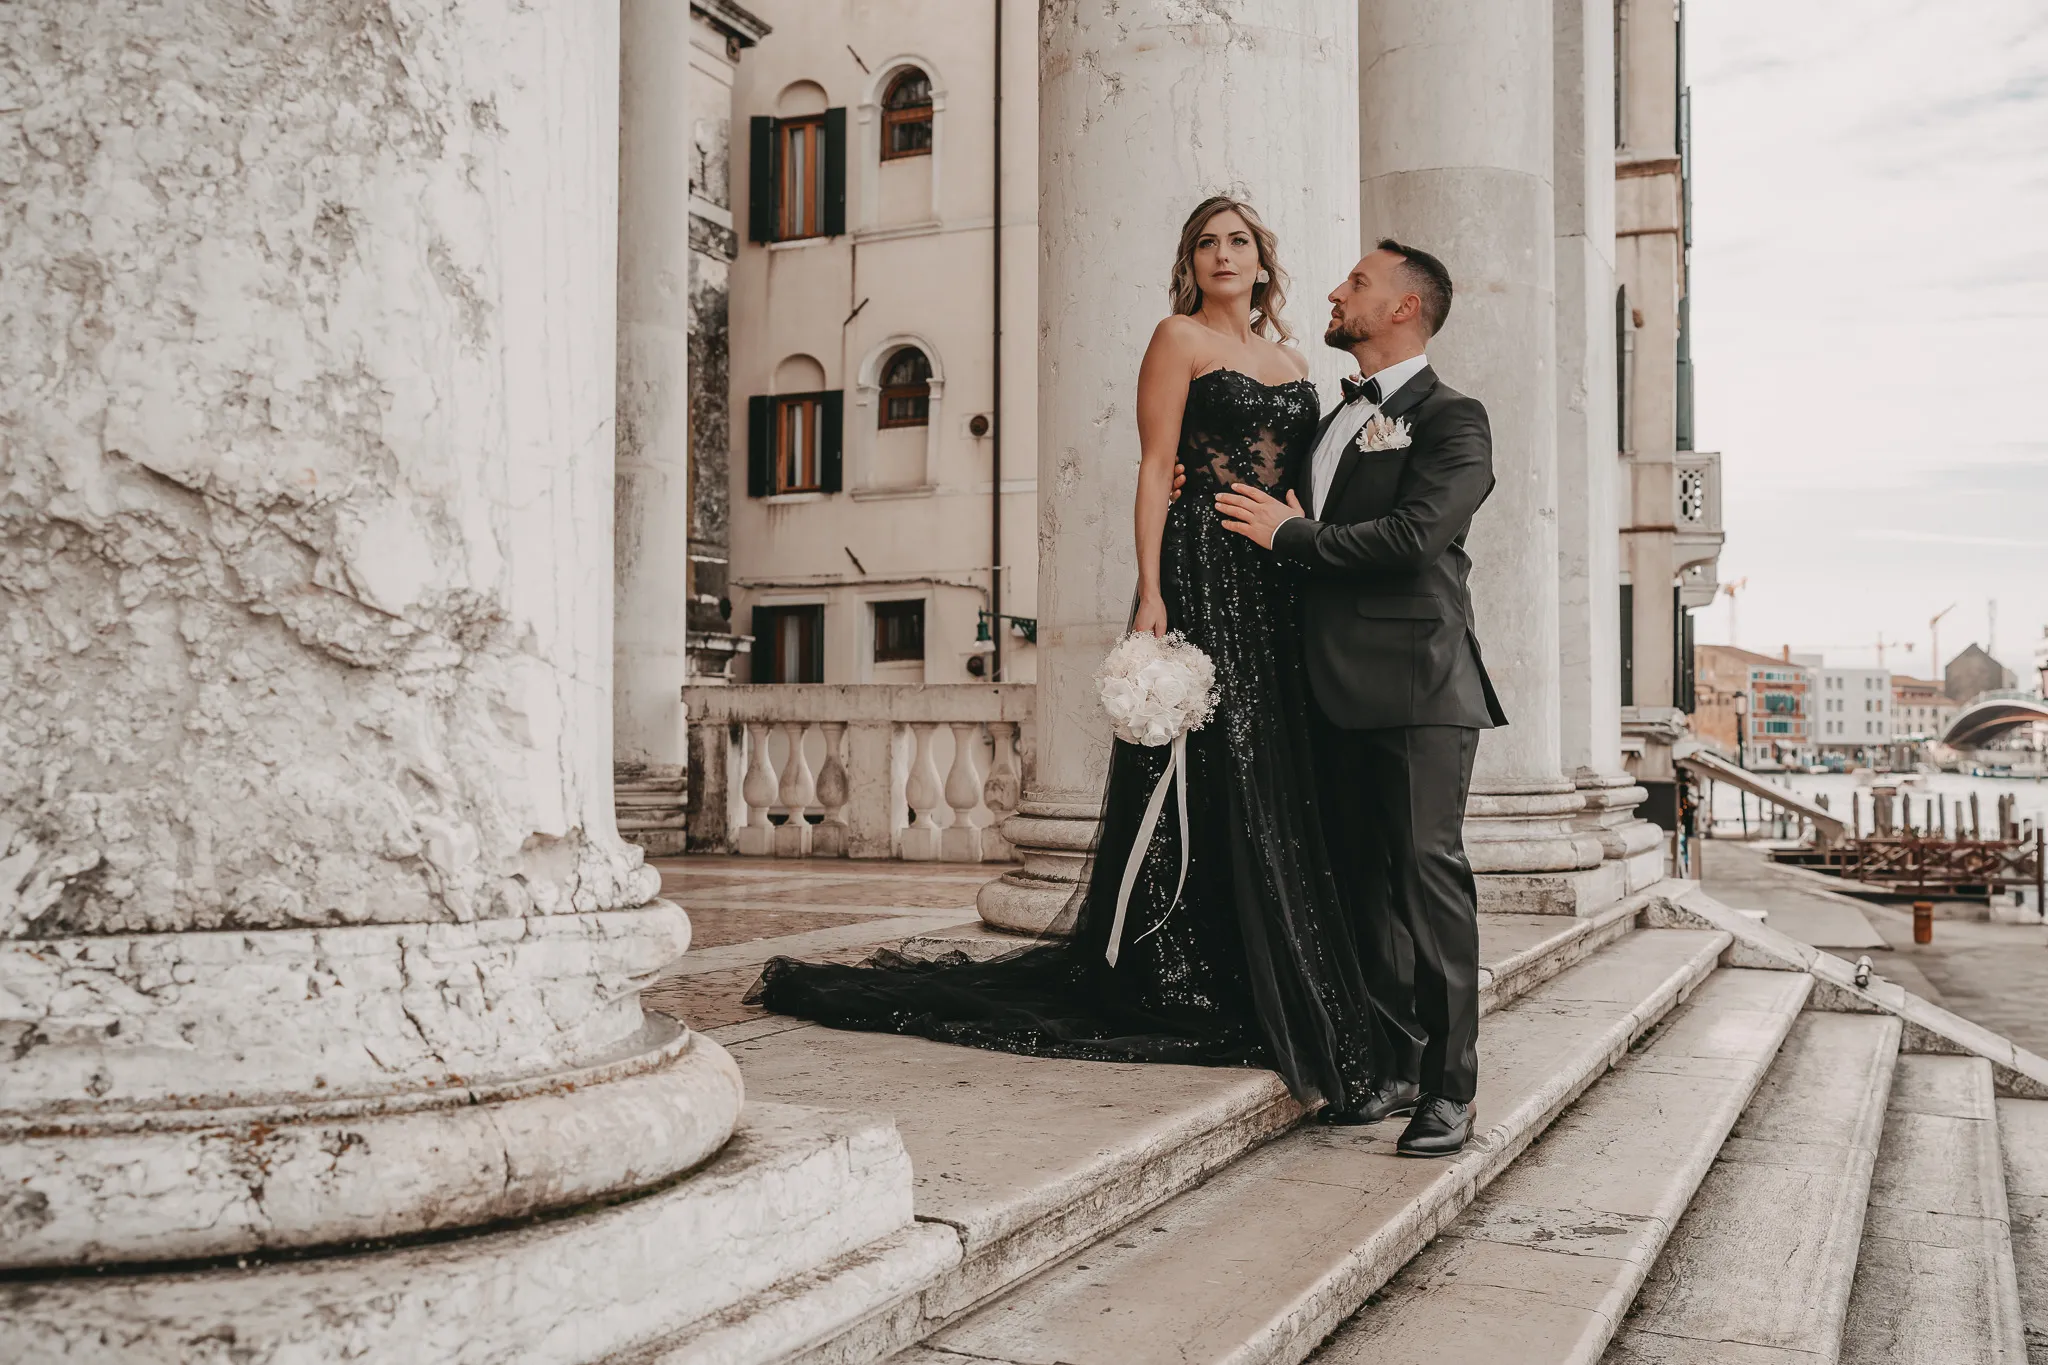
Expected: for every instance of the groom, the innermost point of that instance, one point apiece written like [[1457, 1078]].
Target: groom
[[1379, 520]]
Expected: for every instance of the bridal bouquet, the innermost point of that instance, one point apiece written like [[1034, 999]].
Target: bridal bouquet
[[1156, 691]]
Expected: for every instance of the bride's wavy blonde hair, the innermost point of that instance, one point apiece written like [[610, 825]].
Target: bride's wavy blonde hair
[[1267, 299]]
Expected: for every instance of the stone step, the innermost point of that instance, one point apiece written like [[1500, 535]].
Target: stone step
[[1022, 1200], [1025, 1158], [1759, 1269], [1762, 1263], [2023, 1136], [1934, 1278], [1259, 1263], [1542, 1266]]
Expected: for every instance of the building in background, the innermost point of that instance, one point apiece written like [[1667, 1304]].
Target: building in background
[[869, 540], [1670, 516], [1852, 713], [1921, 709], [1974, 672], [1755, 708]]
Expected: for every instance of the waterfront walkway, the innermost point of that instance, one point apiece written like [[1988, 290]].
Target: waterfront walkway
[[1995, 975]]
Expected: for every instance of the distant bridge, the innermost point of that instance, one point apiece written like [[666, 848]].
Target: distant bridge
[[1992, 715]]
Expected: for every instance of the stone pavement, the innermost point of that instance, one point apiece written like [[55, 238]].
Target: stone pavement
[[744, 911], [1995, 975]]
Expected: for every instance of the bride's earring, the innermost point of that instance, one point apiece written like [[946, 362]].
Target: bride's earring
[[1264, 278]]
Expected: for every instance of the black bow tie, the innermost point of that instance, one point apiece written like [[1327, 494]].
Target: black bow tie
[[1356, 388]]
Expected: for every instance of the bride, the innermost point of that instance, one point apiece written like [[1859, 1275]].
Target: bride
[[1255, 963]]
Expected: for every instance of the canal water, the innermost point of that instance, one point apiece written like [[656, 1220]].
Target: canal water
[[2031, 795]]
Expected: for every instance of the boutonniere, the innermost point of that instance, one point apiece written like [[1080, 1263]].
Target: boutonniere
[[1381, 432]]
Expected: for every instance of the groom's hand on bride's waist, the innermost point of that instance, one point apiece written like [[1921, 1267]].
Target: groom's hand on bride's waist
[[1180, 476], [1254, 514]]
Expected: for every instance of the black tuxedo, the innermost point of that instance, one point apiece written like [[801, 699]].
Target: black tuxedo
[[1389, 618], [1401, 695]]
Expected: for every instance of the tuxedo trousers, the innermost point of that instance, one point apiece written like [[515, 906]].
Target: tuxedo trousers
[[1393, 815]]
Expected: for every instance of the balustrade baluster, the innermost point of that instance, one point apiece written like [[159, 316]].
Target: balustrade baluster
[[920, 842], [1001, 792], [829, 838], [961, 841], [756, 838], [798, 788]]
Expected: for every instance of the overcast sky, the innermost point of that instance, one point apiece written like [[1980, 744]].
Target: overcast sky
[[1870, 311]]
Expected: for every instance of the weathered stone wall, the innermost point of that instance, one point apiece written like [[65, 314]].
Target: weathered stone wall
[[308, 334], [713, 245]]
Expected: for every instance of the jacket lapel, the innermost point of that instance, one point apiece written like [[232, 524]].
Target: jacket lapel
[[1409, 394], [1403, 400]]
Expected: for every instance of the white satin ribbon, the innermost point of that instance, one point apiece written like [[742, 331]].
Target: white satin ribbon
[[1177, 766]]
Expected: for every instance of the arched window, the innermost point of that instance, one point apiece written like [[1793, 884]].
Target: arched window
[[907, 389], [907, 115]]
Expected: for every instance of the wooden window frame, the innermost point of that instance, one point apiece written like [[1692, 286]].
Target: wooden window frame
[[800, 216], [903, 610], [908, 115], [790, 464], [919, 394]]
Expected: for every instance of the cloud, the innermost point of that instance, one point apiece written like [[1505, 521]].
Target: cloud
[[1915, 536]]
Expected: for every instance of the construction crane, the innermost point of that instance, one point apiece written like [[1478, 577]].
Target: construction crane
[[1731, 589], [1934, 630]]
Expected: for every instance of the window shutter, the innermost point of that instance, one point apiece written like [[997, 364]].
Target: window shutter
[[763, 628], [831, 426], [814, 666], [760, 445], [833, 217], [762, 179]]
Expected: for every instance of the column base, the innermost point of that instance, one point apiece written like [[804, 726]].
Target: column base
[[1529, 829], [1612, 801], [1053, 839], [1582, 891], [650, 803], [797, 1231], [301, 1089]]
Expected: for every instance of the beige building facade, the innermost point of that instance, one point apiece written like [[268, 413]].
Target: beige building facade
[[1671, 531], [871, 419]]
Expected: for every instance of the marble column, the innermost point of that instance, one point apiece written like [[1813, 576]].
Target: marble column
[[314, 926], [1457, 156], [1146, 108], [651, 561], [1589, 441]]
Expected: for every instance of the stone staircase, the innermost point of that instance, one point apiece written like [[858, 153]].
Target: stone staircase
[[1697, 1141]]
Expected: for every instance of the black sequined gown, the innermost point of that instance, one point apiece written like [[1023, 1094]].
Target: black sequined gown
[[1257, 964]]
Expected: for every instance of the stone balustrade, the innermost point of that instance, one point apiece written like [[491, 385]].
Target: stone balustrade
[[922, 772]]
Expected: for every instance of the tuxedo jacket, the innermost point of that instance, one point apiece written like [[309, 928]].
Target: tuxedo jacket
[[1388, 628]]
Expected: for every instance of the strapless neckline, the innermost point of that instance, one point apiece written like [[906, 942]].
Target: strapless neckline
[[1254, 379]]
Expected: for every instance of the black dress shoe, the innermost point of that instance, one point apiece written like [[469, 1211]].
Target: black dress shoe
[[1383, 1102], [1439, 1128]]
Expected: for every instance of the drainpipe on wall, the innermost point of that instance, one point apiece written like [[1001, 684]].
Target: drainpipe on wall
[[995, 417]]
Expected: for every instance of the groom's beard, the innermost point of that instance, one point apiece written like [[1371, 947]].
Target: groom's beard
[[1342, 336]]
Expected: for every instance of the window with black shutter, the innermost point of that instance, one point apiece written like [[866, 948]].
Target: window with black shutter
[[907, 116], [789, 644], [797, 179], [907, 389], [795, 443]]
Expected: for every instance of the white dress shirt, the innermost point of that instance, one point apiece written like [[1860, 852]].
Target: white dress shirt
[[1345, 426]]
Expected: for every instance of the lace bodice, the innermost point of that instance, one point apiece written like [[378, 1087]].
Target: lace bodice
[[1237, 430]]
